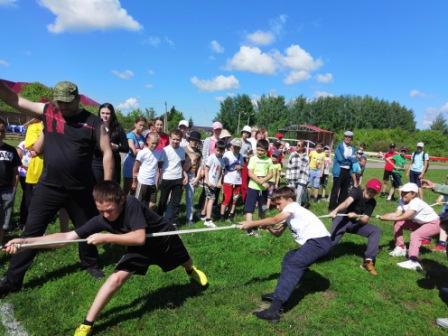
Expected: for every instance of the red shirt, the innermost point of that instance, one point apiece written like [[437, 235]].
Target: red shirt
[[164, 140], [388, 166]]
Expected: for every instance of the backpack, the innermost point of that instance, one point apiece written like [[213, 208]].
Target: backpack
[[423, 157]]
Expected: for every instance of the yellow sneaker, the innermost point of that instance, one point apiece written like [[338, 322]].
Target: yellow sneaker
[[198, 276], [83, 330]]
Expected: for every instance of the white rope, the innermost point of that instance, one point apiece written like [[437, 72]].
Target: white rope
[[329, 216]]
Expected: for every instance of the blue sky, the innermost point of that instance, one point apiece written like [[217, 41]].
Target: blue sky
[[192, 54]]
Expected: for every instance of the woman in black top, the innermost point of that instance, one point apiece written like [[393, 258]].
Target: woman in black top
[[118, 142]]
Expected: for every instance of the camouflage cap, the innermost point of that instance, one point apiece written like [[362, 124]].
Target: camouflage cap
[[65, 92]]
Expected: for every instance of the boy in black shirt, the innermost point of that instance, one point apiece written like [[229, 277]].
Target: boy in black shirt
[[127, 221], [9, 161], [359, 206]]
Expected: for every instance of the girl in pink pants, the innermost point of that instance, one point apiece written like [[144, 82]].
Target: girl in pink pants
[[414, 215]]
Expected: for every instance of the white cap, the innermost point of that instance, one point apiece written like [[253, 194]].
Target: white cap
[[420, 144], [409, 187], [247, 129], [348, 133], [183, 123]]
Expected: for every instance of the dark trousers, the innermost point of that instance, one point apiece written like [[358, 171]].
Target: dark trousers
[[339, 191], [296, 262], [27, 193], [341, 225], [45, 203], [171, 189]]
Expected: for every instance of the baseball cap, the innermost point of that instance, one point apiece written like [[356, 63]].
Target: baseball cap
[[194, 135], [348, 134], [65, 91], [392, 145], [236, 142], [183, 123], [409, 187], [403, 149], [374, 184], [420, 144], [279, 136], [246, 129], [217, 125]]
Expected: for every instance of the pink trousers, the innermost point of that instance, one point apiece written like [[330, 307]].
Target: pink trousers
[[419, 232]]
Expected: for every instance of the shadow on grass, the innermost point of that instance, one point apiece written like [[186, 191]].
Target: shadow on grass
[[436, 276], [170, 297], [345, 248]]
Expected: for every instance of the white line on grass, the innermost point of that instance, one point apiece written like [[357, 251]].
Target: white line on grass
[[12, 326]]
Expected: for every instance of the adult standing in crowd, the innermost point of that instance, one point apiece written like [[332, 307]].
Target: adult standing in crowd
[[297, 172], [71, 134], [388, 168], [343, 160], [209, 145], [136, 142], [418, 167], [118, 143], [246, 151], [164, 139]]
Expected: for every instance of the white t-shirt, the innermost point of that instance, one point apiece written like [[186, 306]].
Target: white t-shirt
[[172, 162], [149, 165], [230, 161], [423, 212], [215, 166], [253, 142], [304, 224]]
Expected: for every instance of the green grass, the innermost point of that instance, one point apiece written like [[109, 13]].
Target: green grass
[[335, 298]]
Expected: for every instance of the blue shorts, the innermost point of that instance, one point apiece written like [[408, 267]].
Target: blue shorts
[[314, 178], [413, 178], [254, 196]]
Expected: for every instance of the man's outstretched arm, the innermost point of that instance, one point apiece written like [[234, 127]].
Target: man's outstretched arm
[[14, 100]]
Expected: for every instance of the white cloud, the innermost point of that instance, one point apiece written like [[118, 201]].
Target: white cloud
[[261, 38], [324, 78], [300, 62], [4, 63], [216, 47], [278, 23], [218, 83], [416, 93], [153, 41], [149, 86], [432, 112], [86, 15], [322, 94], [252, 59], [169, 41], [8, 2], [129, 104], [126, 74], [297, 76]]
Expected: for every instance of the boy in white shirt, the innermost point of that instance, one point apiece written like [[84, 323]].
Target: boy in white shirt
[[145, 174], [233, 163], [174, 177], [213, 180], [417, 216], [307, 230]]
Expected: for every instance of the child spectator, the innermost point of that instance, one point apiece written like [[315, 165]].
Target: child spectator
[[417, 216], [297, 172], [193, 158], [146, 171], [326, 172], [274, 182], [359, 207], [398, 163], [9, 163], [316, 165], [260, 172], [232, 165], [418, 167], [213, 180], [173, 177], [388, 168], [307, 230]]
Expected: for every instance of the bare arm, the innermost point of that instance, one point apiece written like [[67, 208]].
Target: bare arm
[[397, 216], [277, 219], [11, 246], [14, 100], [133, 238], [38, 146], [108, 159], [343, 206]]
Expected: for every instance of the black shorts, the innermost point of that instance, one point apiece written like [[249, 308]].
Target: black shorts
[[146, 193], [323, 180], [387, 175], [166, 252], [396, 180]]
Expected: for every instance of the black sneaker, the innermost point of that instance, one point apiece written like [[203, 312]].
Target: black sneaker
[[95, 272], [6, 287], [268, 315]]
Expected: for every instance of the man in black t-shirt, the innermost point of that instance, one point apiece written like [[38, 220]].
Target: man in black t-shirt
[[358, 207], [127, 222], [71, 134], [9, 162]]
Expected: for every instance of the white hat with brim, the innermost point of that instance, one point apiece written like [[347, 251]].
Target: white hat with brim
[[407, 187], [420, 144]]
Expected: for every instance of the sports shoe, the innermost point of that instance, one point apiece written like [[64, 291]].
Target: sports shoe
[[95, 272], [268, 315], [411, 265], [442, 322], [209, 223], [198, 276], [426, 242], [6, 287], [439, 248], [203, 217], [83, 330], [369, 267], [398, 251]]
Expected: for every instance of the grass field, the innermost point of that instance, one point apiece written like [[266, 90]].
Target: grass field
[[336, 297]]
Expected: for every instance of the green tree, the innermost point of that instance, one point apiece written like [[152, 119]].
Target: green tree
[[173, 118], [439, 124]]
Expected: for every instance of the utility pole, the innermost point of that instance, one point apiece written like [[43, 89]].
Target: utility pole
[[239, 117], [165, 118]]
